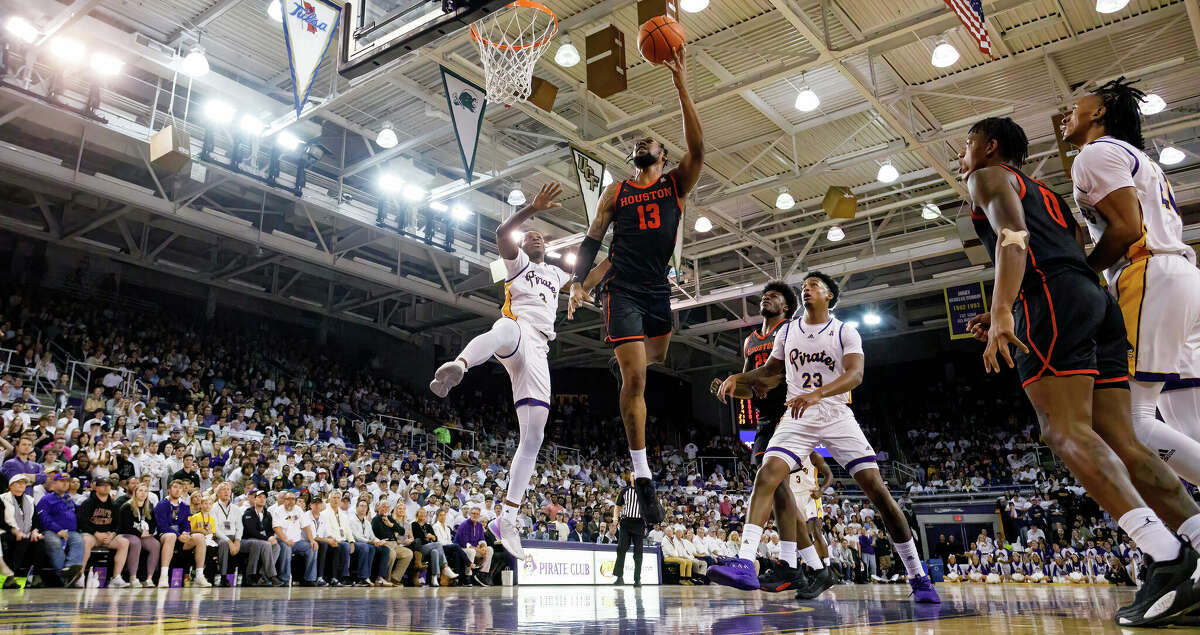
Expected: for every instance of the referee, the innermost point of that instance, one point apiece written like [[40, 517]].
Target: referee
[[631, 530]]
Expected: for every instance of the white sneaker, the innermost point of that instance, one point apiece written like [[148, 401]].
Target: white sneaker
[[433, 581], [78, 583], [506, 531], [201, 581], [118, 583], [164, 581], [449, 572], [446, 377], [147, 584], [382, 582]]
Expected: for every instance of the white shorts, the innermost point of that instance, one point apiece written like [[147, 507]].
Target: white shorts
[[1160, 301], [832, 425], [527, 367], [802, 489]]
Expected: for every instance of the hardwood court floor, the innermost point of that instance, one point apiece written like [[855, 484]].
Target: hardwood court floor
[[530, 610]]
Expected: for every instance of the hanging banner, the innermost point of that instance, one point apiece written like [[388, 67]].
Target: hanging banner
[[590, 174], [466, 102], [308, 29], [963, 303]]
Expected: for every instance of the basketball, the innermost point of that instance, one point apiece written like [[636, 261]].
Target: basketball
[[659, 37]]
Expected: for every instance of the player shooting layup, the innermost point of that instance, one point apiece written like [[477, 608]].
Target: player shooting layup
[[822, 360], [520, 341], [646, 212]]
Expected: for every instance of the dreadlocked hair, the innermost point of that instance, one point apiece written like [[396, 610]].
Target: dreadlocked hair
[[1122, 117]]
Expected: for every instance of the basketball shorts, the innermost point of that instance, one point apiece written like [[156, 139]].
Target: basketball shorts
[[630, 316], [527, 367], [802, 488], [762, 436], [830, 424], [1160, 300], [1072, 327]]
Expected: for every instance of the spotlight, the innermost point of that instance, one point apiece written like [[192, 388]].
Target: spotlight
[[390, 182], [835, 234], [460, 213], [413, 192], [106, 64], [219, 112], [21, 29], [1110, 6], [195, 64], [570, 259], [784, 200], [944, 54], [251, 125], [517, 236], [386, 137], [287, 141], [930, 211], [567, 55], [1152, 105], [67, 49], [871, 319], [807, 100], [703, 225], [887, 173], [516, 196], [1171, 155], [275, 10], [693, 6]]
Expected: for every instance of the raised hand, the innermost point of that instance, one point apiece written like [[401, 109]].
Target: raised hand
[[546, 197], [678, 68]]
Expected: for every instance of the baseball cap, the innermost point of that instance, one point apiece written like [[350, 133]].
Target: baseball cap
[[61, 476], [28, 478]]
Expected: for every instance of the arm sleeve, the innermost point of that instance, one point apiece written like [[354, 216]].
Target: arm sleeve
[[780, 342], [514, 267], [850, 340], [1101, 167]]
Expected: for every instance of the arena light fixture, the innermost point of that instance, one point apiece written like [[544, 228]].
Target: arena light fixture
[[287, 141], [1110, 6], [930, 211], [275, 10], [835, 234], [413, 192], [390, 182], [21, 29], [460, 213], [944, 54], [516, 196], [567, 55], [1170, 155], [693, 6], [105, 64], [195, 64], [517, 236], [887, 173], [1152, 104], [784, 200], [871, 318], [570, 259], [66, 49], [219, 112], [807, 100], [386, 137], [703, 225], [251, 125]]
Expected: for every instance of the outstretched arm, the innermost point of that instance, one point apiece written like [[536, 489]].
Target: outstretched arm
[[544, 200], [688, 171]]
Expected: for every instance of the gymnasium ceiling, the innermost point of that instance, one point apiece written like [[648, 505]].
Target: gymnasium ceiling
[[86, 185]]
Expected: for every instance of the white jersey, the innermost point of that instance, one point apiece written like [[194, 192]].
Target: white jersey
[[531, 292], [1108, 164], [813, 354]]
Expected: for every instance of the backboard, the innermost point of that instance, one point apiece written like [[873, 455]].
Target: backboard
[[375, 32]]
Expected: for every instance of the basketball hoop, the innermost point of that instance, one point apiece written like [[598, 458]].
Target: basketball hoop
[[511, 41]]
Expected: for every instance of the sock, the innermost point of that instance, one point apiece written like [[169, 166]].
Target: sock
[[532, 420], [641, 469], [1190, 529], [751, 536], [908, 554], [509, 513], [787, 552], [825, 561], [502, 339], [809, 554], [1154, 539]]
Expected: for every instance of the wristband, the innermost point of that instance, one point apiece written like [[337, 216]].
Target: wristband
[[585, 258]]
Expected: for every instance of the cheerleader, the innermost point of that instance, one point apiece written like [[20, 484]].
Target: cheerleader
[[952, 569], [1058, 570], [1037, 569], [1076, 574], [975, 570]]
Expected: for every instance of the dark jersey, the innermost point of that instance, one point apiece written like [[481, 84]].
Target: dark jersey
[[1053, 248], [645, 223], [757, 350]]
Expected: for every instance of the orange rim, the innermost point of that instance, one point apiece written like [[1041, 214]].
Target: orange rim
[[528, 4]]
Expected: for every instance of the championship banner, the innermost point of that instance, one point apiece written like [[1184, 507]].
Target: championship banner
[[308, 29], [590, 174], [466, 102], [963, 303]]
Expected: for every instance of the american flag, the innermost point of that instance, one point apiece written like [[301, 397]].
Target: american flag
[[970, 13]]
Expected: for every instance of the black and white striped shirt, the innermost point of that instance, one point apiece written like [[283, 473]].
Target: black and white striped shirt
[[629, 504]]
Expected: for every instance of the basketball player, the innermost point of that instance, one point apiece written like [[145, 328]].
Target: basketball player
[[822, 360], [520, 341], [1043, 278], [1130, 212], [646, 213]]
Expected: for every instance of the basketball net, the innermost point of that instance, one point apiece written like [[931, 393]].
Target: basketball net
[[511, 41]]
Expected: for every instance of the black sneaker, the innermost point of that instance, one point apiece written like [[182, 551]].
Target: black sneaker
[[481, 579], [647, 499], [276, 581], [819, 581], [782, 577], [1170, 589], [70, 574], [618, 582]]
